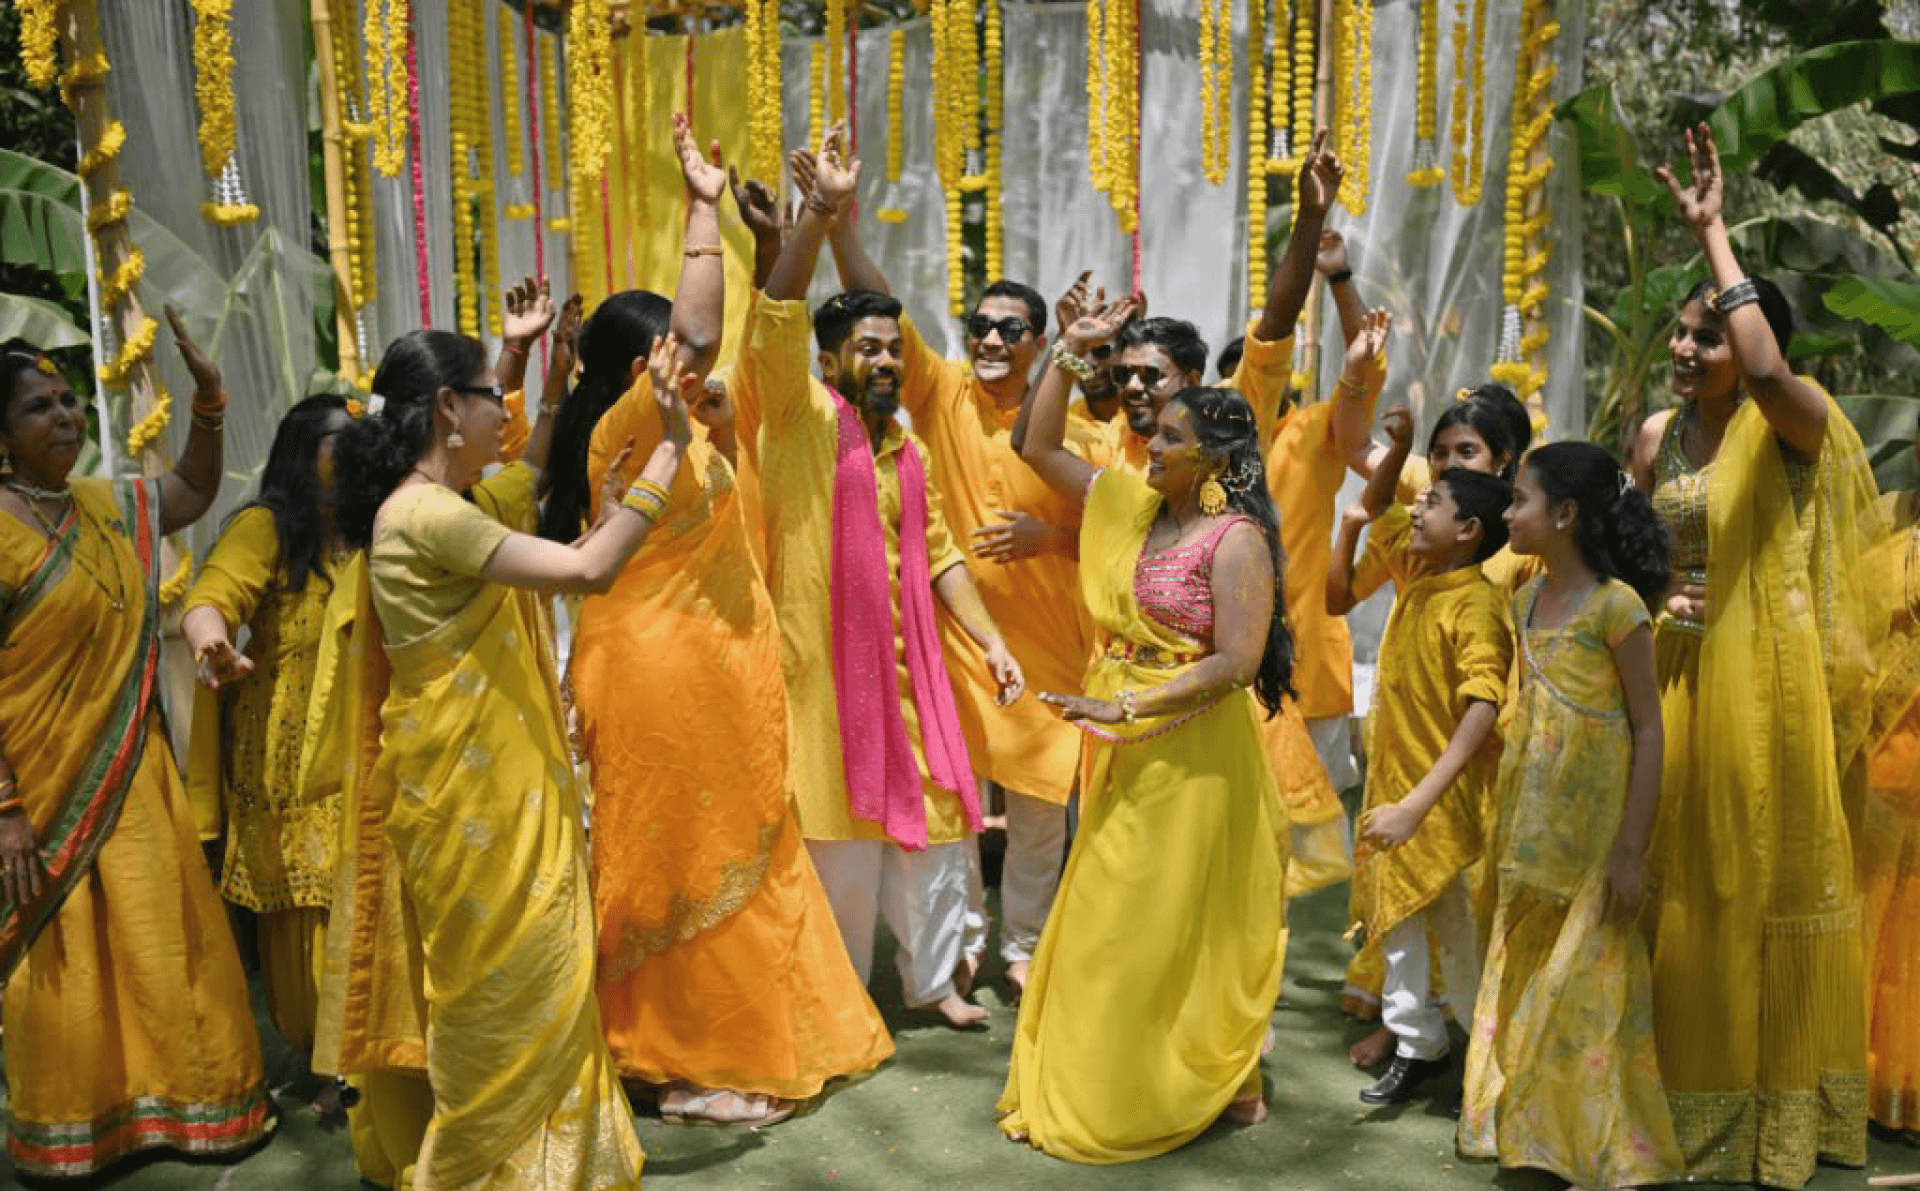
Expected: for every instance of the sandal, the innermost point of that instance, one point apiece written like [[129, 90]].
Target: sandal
[[683, 1105]]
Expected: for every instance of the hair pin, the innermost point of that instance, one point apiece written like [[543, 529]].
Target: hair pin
[[375, 403]]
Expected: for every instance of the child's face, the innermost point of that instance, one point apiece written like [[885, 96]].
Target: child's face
[[1459, 446], [1438, 532], [1530, 522]]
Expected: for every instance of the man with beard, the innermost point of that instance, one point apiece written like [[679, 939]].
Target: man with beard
[[1024, 542], [858, 552]]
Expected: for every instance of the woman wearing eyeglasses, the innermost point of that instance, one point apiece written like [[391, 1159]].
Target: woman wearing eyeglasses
[[461, 803]]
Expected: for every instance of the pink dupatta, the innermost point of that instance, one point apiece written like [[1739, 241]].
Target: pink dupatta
[[883, 779]]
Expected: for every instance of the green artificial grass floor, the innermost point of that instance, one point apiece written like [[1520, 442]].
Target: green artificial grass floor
[[926, 1119]]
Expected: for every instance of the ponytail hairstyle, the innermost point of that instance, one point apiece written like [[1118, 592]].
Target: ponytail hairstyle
[[621, 331], [1616, 529], [291, 490], [1496, 415], [1224, 426], [1773, 305], [374, 454]]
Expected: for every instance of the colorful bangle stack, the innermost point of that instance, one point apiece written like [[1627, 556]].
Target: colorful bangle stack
[[646, 498], [1740, 293], [1074, 366], [210, 415]]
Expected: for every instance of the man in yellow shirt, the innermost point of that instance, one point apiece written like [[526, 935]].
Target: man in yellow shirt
[[858, 549]]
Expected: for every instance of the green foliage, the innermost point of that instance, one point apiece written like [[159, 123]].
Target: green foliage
[[1893, 306]]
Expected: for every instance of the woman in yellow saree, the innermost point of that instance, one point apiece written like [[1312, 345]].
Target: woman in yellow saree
[[127, 1021], [1764, 651], [461, 943], [1156, 975]]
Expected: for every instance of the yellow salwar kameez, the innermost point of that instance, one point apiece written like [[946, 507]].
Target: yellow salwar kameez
[[1155, 979], [1888, 845], [243, 767], [1562, 1074], [462, 938], [127, 1021], [719, 960], [1759, 998]]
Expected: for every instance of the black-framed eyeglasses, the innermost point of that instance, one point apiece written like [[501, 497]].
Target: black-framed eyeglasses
[[498, 394], [1150, 377], [1012, 330]]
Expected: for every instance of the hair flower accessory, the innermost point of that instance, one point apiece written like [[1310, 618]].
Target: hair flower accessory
[[355, 409], [1461, 395], [375, 403]]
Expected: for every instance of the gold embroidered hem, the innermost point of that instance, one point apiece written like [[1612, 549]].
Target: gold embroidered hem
[[1773, 1139], [687, 917]]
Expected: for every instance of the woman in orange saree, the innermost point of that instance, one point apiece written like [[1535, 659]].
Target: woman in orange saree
[[127, 1020], [461, 938]]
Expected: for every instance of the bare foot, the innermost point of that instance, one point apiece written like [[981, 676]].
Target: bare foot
[[964, 974], [1017, 976], [1250, 1111], [1373, 1050], [958, 1013]]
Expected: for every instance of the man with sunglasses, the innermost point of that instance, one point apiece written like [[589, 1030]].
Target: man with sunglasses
[[1025, 545]]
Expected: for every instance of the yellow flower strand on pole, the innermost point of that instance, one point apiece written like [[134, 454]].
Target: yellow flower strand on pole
[[1216, 88], [386, 37], [115, 286], [213, 82], [836, 51], [487, 213], [1426, 103], [816, 94], [1306, 29], [1469, 101], [40, 40], [1356, 106], [996, 114], [1523, 331], [1097, 92], [350, 77], [1258, 47], [589, 86], [506, 31], [551, 150]]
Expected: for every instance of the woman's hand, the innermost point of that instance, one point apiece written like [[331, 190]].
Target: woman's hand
[[834, 180], [1016, 535], [673, 387], [219, 664], [758, 206], [1370, 342], [1702, 202], [706, 180], [20, 863], [1006, 672], [613, 485], [1068, 308], [566, 337], [1390, 826], [206, 374], [1079, 707], [1626, 882], [1099, 322], [529, 312]]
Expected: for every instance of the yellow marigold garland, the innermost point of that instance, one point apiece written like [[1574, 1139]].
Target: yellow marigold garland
[[637, 105], [350, 78], [1469, 101], [84, 72], [1216, 88], [176, 584], [104, 150], [213, 82], [1097, 92], [506, 32], [1121, 111], [40, 40], [1426, 102], [952, 108], [589, 86], [115, 209], [896, 116], [485, 194], [1355, 82], [147, 430], [1258, 46], [116, 285], [996, 113], [816, 94], [463, 136], [835, 46], [138, 346], [763, 89], [1523, 286], [386, 36], [550, 147]]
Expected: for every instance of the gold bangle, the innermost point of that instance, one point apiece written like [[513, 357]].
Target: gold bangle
[[650, 488], [704, 250], [12, 804], [644, 503]]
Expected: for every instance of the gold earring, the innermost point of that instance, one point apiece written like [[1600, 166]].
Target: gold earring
[[454, 441], [1213, 497]]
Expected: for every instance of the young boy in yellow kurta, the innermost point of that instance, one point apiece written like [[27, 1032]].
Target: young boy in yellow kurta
[[1443, 672]]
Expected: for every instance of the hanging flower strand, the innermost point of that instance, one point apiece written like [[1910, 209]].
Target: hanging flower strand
[[1469, 101], [1258, 46], [1356, 101], [1216, 88], [1524, 332], [219, 129], [1426, 104]]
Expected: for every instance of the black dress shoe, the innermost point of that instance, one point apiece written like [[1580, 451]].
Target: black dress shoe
[[1402, 1080]]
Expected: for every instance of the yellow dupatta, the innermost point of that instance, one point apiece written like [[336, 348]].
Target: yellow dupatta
[[77, 681]]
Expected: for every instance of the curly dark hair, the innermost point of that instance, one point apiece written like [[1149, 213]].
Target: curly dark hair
[[1617, 531], [1223, 423], [374, 454]]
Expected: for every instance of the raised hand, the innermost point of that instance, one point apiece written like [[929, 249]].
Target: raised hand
[[220, 664], [529, 311], [613, 485], [758, 206], [1371, 341], [1099, 322], [1332, 255], [1070, 305], [834, 179], [673, 388], [1398, 423], [1702, 201], [206, 374], [566, 336], [706, 180], [1320, 176]]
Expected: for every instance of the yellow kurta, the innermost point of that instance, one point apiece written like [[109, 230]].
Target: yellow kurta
[[719, 960], [127, 1023], [1562, 1074], [1446, 644], [1155, 978], [798, 445], [468, 805], [244, 763], [1024, 747], [1759, 995], [1888, 846]]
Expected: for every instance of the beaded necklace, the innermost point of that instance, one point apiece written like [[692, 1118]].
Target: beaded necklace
[[32, 496]]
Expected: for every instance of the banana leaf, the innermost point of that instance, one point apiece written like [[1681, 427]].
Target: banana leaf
[[1893, 306], [259, 292], [39, 322], [1609, 153], [1814, 84]]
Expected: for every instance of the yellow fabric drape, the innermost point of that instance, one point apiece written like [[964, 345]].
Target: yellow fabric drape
[[1156, 974], [1758, 986]]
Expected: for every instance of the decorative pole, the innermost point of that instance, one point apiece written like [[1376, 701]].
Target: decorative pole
[[333, 150]]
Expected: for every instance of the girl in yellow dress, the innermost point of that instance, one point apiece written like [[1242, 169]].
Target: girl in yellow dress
[[1764, 648], [461, 942], [1888, 843], [127, 1021], [1561, 1070], [271, 571], [1156, 975]]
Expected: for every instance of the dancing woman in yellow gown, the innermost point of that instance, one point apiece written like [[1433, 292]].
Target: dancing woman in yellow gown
[[1156, 975], [462, 805], [1764, 651], [128, 1025]]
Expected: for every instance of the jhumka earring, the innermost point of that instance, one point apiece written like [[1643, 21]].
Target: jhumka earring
[[454, 441], [1213, 497]]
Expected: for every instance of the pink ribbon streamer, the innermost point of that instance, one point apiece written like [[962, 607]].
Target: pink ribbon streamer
[[419, 194]]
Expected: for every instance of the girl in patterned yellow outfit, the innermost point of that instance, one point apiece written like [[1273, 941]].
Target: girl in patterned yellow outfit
[[271, 571], [1561, 1070]]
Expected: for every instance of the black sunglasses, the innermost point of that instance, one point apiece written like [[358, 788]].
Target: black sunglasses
[[498, 394], [1150, 377], [1012, 330]]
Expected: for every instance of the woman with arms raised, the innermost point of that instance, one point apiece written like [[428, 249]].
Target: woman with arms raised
[[127, 1020], [1156, 976]]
